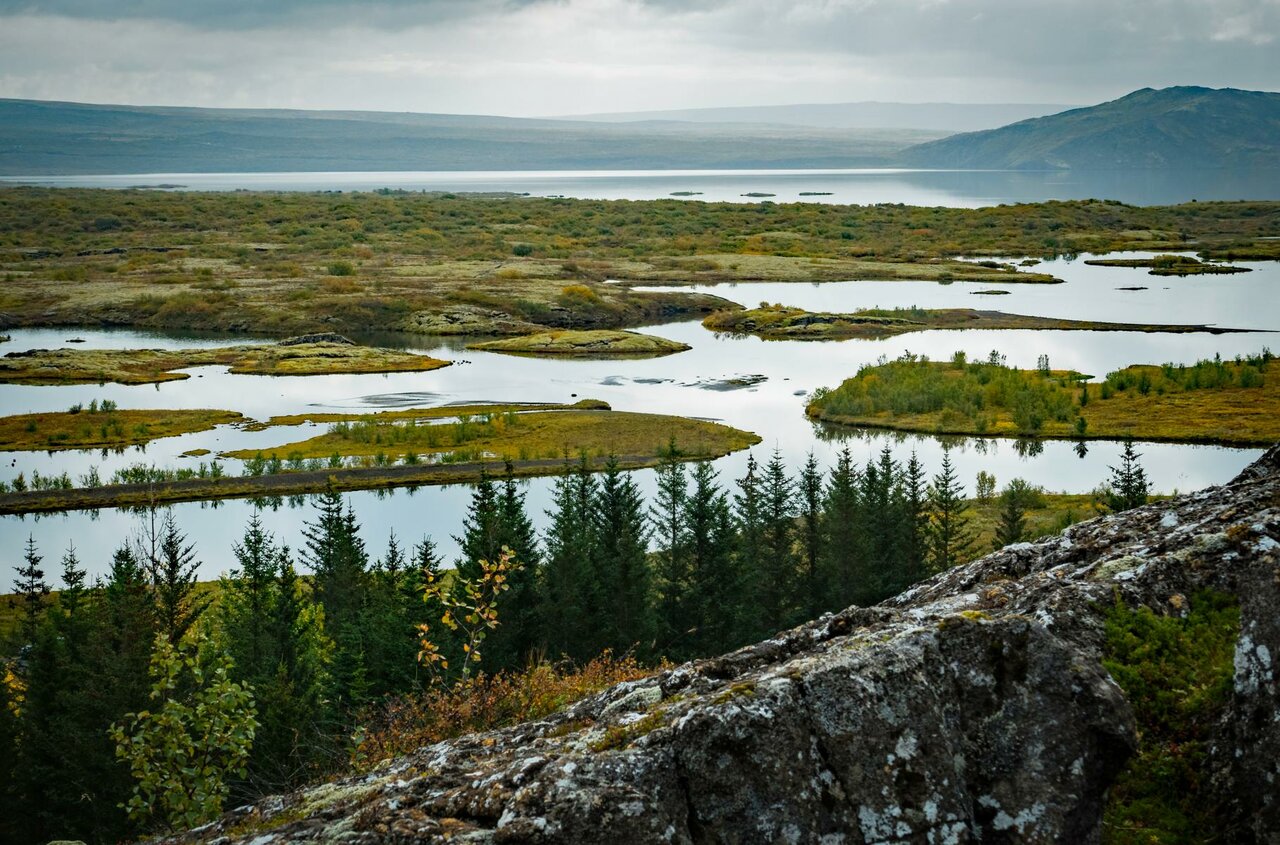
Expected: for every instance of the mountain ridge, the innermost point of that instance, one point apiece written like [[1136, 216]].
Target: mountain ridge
[[1179, 127]]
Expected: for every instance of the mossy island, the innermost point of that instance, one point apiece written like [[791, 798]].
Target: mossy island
[[103, 426], [598, 343], [780, 322], [1233, 402], [1170, 265], [303, 356]]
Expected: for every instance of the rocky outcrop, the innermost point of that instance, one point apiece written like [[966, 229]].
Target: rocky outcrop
[[972, 708]]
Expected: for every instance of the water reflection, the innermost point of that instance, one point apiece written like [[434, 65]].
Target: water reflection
[[769, 381]]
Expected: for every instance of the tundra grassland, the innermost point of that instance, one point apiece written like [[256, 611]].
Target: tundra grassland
[[287, 263]]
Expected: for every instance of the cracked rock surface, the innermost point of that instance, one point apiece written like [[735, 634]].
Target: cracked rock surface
[[971, 708]]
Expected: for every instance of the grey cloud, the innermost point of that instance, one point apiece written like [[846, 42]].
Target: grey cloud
[[251, 14]]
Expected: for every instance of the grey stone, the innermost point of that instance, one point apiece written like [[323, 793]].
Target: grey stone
[[972, 708]]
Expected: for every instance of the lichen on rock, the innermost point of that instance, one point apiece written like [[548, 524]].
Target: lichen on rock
[[974, 707]]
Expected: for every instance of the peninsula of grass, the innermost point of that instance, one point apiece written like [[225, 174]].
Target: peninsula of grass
[[146, 366], [1170, 265], [779, 322], [436, 413], [102, 428], [513, 435], [387, 455], [289, 263], [1226, 402], [598, 343]]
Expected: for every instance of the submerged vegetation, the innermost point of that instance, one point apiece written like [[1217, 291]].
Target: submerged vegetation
[[1235, 402], [779, 322], [296, 262], [146, 366], [103, 426]]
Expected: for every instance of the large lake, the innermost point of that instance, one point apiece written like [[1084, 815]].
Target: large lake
[[957, 188], [679, 384]]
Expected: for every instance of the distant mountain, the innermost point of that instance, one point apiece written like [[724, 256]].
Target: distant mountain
[[52, 138], [942, 117], [1184, 127]]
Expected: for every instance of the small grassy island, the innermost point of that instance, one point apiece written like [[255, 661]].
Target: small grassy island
[[297, 357], [103, 427], [1227, 402], [513, 433], [779, 322], [597, 343], [1170, 265], [396, 449]]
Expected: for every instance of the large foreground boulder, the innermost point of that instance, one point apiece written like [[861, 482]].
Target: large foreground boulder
[[972, 708]]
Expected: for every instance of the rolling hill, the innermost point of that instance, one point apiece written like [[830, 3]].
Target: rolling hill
[[1169, 128], [943, 117], [54, 138]]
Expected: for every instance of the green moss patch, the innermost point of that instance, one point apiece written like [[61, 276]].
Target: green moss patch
[[1176, 673]]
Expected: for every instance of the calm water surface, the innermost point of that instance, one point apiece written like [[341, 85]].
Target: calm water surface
[[679, 384], [957, 188]]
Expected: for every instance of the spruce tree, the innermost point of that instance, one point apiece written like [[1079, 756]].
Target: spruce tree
[[714, 587], [811, 593], [482, 528], [1012, 526], [776, 583], [844, 572], [571, 591], [881, 501], [496, 519], [675, 617], [950, 542], [1129, 485], [335, 553], [62, 725], [32, 589], [621, 562], [912, 530], [299, 736], [170, 565], [748, 513], [391, 637]]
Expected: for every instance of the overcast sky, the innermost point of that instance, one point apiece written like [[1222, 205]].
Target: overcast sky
[[548, 57]]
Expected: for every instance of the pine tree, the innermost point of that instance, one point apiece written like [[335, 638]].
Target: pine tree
[[776, 583], [950, 541], [621, 562], [33, 589], [496, 519], [482, 529], [844, 572], [714, 585], [1012, 526], [247, 602], [335, 553], [1129, 485], [811, 593], [674, 616], [881, 502], [300, 735], [571, 598], [748, 513], [62, 725], [170, 565], [391, 637], [913, 543]]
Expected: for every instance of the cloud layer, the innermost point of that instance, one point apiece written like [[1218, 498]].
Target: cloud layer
[[529, 57]]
